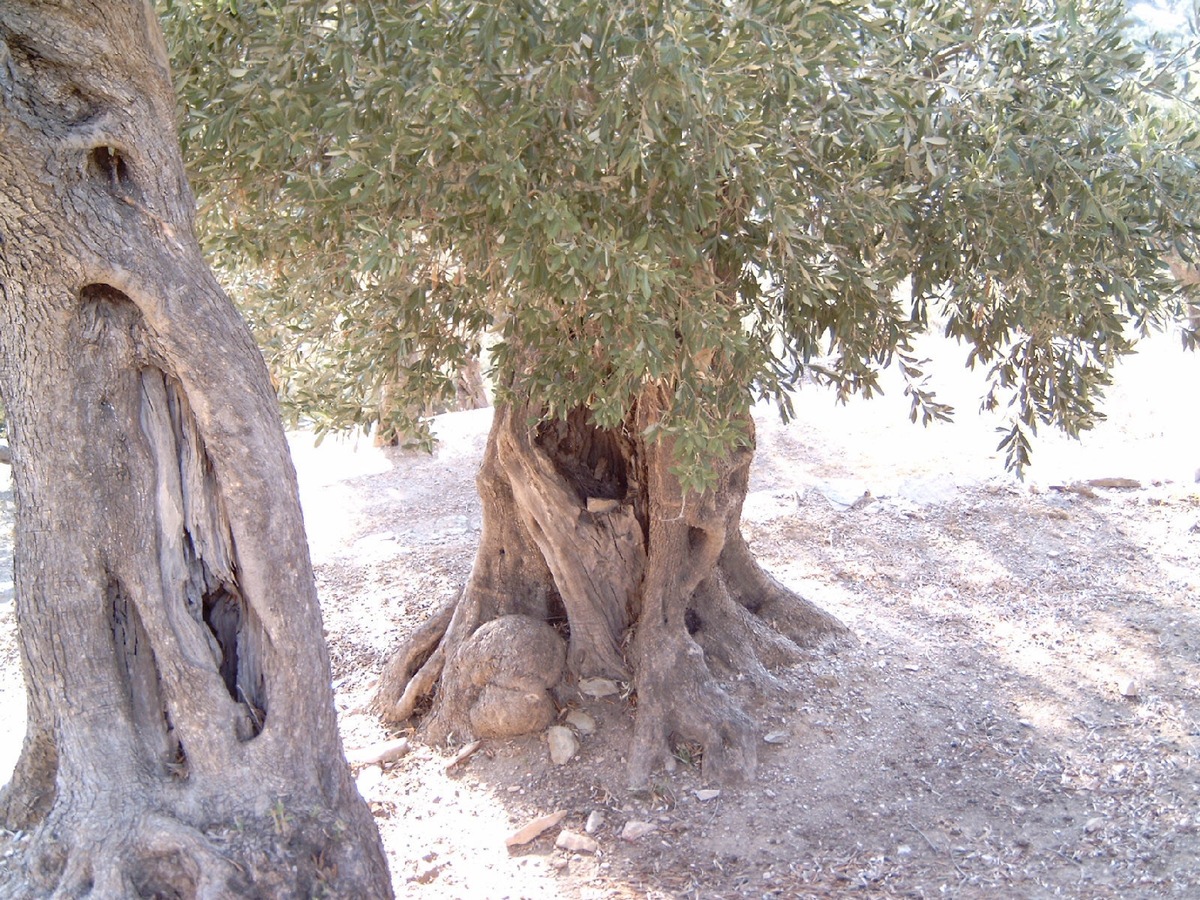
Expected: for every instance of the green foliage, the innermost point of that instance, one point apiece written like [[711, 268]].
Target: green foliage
[[717, 197]]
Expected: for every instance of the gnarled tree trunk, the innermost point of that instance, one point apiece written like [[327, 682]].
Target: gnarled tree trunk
[[182, 739], [590, 530]]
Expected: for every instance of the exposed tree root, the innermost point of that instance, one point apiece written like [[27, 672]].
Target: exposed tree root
[[29, 794], [283, 854], [754, 588], [150, 855], [736, 639], [679, 700], [413, 671]]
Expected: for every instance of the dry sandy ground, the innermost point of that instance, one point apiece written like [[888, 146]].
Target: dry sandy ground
[[978, 741]]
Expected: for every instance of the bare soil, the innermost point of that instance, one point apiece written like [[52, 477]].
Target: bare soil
[[1018, 718]]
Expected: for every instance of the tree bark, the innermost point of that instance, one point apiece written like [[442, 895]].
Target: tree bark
[[590, 529], [182, 739]]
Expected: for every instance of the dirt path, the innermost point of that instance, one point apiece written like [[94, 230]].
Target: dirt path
[[1019, 718]]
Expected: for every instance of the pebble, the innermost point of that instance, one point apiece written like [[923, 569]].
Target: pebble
[[575, 842], [776, 737], [383, 752], [581, 722], [705, 795], [595, 821], [635, 829], [1128, 687], [563, 744], [598, 687], [1093, 825]]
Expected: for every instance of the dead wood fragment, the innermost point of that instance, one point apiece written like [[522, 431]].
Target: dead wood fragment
[[464, 754], [534, 829]]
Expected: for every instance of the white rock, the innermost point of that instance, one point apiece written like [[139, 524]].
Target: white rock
[[581, 722], [705, 795], [595, 821], [776, 737], [1128, 687], [928, 491], [1093, 825], [380, 753], [598, 687], [575, 842], [563, 744], [635, 829]]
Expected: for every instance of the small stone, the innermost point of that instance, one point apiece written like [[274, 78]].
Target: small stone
[[705, 795], [598, 687], [533, 829], [595, 821], [1128, 687], [776, 737], [563, 744], [581, 722], [635, 829], [1093, 825], [575, 842]]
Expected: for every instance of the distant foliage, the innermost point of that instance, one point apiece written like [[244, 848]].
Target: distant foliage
[[723, 197]]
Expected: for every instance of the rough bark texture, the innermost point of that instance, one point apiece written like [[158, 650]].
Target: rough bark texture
[[182, 739], [590, 530]]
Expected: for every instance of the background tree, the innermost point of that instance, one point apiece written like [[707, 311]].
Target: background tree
[[664, 211], [181, 735]]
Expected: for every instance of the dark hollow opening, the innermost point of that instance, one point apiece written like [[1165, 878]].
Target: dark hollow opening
[[108, 164], [99, 294], [223, 616], [593, 460]]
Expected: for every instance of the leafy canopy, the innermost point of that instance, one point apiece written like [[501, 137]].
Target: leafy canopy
[[720, 196]]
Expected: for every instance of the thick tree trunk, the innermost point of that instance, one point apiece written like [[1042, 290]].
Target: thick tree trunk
[[182, 739], [589, 529]]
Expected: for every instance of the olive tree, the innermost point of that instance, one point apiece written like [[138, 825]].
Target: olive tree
[[660, 213], [181, 735]]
